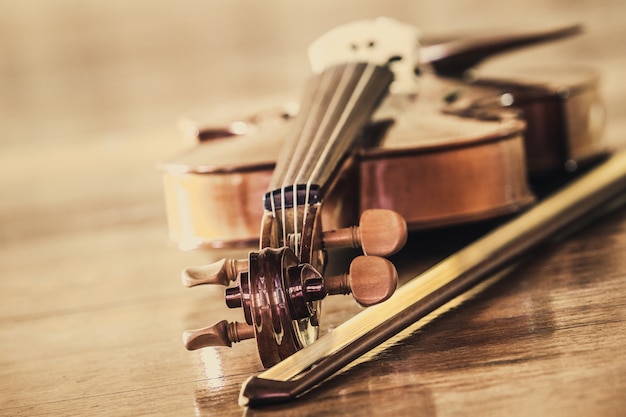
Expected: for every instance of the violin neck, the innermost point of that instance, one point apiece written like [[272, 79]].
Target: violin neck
[[337, 103]]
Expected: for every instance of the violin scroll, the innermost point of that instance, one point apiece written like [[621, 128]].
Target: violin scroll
[[295, 289], [280, 295]]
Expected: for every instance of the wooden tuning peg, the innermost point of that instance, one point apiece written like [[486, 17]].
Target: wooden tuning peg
[[380, 232], [371, 280], [220, 272], [223, 333]]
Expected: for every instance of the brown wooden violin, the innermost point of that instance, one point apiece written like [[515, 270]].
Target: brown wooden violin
[[387, 133]]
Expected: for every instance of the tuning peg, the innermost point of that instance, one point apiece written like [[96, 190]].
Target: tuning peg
[[220, 272], [380, 232], [223, 333], [371, 280]]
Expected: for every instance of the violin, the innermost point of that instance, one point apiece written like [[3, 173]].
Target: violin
[[387, 133]]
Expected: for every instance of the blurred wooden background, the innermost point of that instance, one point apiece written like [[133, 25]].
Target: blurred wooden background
[[90, 93]]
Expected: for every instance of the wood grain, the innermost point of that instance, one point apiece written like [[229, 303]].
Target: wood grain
[[91, 307]]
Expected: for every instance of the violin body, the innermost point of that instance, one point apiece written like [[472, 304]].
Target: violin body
[[424, 157]]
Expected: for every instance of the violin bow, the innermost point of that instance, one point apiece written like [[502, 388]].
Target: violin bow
[[442, 286]]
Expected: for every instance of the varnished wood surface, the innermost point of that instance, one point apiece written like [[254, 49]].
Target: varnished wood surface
[[91, 307]]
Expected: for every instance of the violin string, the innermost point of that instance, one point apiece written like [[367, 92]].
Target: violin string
[[357, 92], [273, 204], [295, 161], [321, 133], [329, 113], [283, 215], [364, 79]]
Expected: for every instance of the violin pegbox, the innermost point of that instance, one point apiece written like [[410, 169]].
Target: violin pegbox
[[381, 41]]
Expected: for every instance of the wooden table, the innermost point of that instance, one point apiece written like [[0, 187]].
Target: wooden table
[[91, 308]]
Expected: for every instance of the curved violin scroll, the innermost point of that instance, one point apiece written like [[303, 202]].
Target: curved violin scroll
[[279, 294], [280, 298]]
